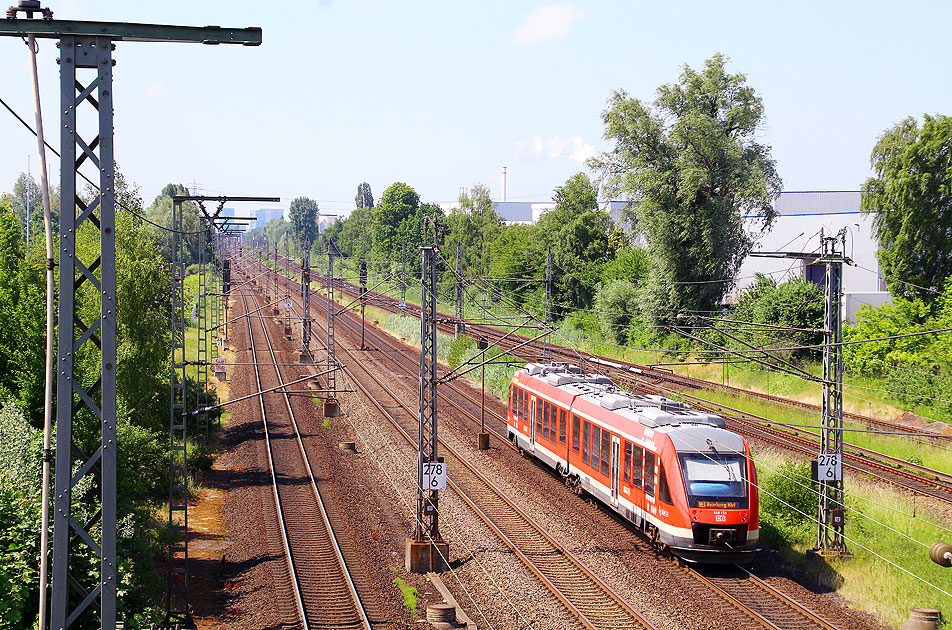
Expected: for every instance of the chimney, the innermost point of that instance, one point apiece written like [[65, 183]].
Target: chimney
[[503, 183]]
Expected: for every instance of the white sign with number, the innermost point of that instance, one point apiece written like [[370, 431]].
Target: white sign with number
[[219, 342], [434, 476], [829, 467], [287, 304], [219, 365]]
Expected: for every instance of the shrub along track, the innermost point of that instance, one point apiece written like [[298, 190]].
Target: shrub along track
[[324, 592], [761, 605]]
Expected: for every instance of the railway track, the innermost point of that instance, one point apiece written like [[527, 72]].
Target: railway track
[[324, 592], [585, 596], [766, 606], [761, 604]]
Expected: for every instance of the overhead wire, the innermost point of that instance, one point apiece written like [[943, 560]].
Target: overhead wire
[[89, 181]]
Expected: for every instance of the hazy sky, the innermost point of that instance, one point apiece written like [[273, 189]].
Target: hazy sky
[[441, 95]]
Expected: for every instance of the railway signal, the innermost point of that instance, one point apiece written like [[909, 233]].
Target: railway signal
[[331, 406], [363, 299], [426, 550], [458, 327], [306, 356]]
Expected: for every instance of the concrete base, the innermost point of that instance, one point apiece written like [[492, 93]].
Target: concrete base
[[306, 357], [482, 441], [424, 557], [331, 408], [922, 619]]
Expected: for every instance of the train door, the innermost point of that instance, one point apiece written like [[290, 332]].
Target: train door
[[532, 422], [616, 447]]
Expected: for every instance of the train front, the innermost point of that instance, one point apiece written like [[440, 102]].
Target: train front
[[720, 488]]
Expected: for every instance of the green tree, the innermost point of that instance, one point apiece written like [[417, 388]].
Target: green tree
[[911, 201], [474, 224], [353, 237], [579, 233], [579, 254], [364, 198], [22, 319], [160, 213], [575, 196], [693, 169], [629, 263], [393, 220], [898, 317], [26, 191], [303, 215]]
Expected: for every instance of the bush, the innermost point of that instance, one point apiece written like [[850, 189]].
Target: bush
[[795, 303], [788, 504], [617, 304], [19, 518]]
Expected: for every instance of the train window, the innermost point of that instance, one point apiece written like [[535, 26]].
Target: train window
[[649, 472], [637, 463], [596, 441], [586, 442], [561, 426], [512, 401], [538, 413], [575, 430], [627, 466], [606, 451], [518, 402], [664, 493], [545, 420]]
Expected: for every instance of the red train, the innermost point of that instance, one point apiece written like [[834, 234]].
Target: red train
[[676, 473]]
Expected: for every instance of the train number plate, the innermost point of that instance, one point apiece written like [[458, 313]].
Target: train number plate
[[434, 475]]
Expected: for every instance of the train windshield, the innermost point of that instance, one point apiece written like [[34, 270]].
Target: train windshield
[[715, 481]]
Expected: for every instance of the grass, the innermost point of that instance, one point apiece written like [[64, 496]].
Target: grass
[[456, 352], [410, 595], [883, 521]]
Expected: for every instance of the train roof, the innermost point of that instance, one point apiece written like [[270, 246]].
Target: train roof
[[688, 428]]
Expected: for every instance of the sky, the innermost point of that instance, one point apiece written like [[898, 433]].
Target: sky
[[442, 95]]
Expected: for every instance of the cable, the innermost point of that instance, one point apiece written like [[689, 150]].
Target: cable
[[912, 284], [89, 181]]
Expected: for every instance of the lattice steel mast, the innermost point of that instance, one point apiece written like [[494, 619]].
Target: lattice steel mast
[[427, 551], [832, 520], [86, 64]]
